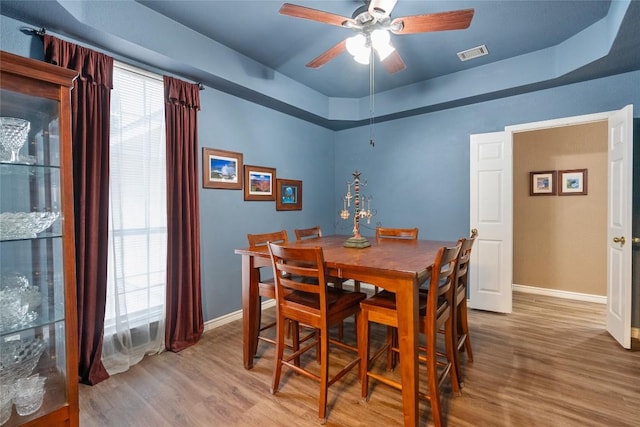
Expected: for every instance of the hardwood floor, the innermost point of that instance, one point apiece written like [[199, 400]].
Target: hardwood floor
[[549, 363]]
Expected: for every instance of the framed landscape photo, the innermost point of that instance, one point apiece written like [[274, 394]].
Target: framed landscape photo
[[221, 169], [572, 182], [288, 195], [259, 183], [542, 183]]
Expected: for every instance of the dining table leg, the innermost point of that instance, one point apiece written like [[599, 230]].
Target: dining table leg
[[250, 307], [408, 331]]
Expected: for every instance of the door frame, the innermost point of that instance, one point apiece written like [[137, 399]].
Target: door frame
[[509, 132]]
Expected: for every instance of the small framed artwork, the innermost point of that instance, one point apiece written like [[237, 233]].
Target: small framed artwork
[[542, 183], [572, 182], [288, 195], [259, 183], [221, 169]]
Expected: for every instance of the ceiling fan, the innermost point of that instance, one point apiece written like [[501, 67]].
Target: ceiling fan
[[372, 22]]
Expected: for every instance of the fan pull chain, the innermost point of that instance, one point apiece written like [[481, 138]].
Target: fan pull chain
[[372, 141]]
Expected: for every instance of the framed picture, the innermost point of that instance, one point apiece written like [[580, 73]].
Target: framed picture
[[259, 183], [288, 195], [572, 182], [221, 169], [542, 183]]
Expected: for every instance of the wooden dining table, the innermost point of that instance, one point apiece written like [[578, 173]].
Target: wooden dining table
[[399, 266]]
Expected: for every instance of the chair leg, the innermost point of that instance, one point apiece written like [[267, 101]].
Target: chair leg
[[451, 348], [356, 286], [279, 354], [294, 329], [392, 342], [434, 389], [363, 351], [337, 284], [324, 375], [258, 326], [465, 329]]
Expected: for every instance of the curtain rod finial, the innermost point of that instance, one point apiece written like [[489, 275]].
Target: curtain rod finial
[[200, 86], [39, 32]]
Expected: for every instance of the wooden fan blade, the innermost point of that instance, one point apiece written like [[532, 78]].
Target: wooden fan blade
[[393, 63], [328, 55], [454, 20], [313, 14]]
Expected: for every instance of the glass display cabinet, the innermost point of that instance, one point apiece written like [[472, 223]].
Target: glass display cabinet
[[38, 326]]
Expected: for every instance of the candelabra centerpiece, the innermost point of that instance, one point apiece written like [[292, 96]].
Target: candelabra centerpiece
[[359, 212]]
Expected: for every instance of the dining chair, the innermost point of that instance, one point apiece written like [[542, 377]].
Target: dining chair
[[383, 233], [316, 233], [266, 287], [462, 338], [395, 233], [436, 313], [308, 233], [303, 298]]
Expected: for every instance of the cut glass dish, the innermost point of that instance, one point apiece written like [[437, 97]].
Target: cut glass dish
[[25, 225]]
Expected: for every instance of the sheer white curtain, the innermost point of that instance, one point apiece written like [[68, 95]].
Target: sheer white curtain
[[135, 313]]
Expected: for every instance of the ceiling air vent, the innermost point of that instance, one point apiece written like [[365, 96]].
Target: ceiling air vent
[[474, 52]]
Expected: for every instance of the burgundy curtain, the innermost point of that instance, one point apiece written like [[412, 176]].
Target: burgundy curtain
[[185, 323], [90, 105]]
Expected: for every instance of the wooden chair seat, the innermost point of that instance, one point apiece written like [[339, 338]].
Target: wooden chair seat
[[337, 299]]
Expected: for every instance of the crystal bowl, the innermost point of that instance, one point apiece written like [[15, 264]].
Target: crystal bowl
[[6, 403], [25, 225], [13, 134], [18, 300], [28, 394], [19, 358]]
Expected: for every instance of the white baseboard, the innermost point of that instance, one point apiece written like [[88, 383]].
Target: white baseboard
[[635, 332], [561, 294], [228, 318]]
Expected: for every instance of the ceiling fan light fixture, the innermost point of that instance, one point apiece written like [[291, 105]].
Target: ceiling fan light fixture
[[380, 40], [357, 45], [384, 51], [363, 58]]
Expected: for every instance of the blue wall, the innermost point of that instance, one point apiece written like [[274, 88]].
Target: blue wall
[[418, 171], [406, 170], [297, 149]]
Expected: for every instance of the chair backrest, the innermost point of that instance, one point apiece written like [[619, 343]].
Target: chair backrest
[[397, 233], [463, 266], [302, 270], [308, 233], [256, 240], [443, 279]]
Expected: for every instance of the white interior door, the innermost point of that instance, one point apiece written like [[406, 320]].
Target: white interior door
[[619, 225], [491, 204], [491, 191]]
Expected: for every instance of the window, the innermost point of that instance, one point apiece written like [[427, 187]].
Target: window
[[135, 312]]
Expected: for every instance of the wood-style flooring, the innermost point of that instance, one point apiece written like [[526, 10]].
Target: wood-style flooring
[[549, 363]]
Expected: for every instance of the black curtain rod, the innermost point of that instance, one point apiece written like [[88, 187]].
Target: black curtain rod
[[39, 32]]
